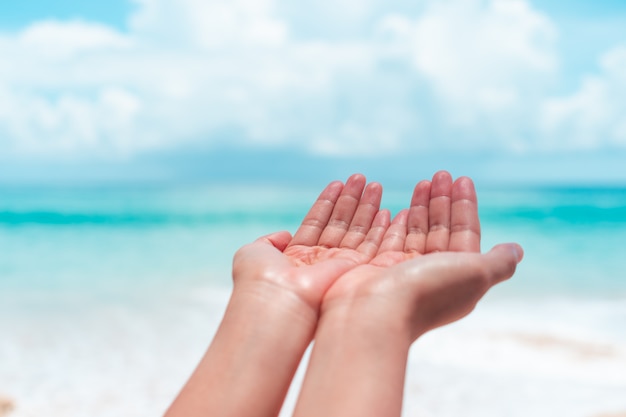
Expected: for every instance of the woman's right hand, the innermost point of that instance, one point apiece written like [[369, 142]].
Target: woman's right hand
[[428, 271]]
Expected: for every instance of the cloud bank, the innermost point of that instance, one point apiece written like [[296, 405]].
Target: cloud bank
[[332, 78]]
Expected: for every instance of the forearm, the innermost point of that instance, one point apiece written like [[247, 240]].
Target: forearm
[[248, 368], [357, 367]]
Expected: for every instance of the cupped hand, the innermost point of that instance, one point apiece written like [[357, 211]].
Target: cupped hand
[[428, 270], [344, 228]]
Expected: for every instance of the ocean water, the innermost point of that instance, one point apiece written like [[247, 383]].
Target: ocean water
[[109, 295], [107, 239]]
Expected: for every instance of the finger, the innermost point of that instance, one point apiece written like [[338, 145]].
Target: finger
[[280, 240], [438, 237], [343, 212], [395, 236], [417, 221], [503, 260], [464, 221], [266, 249], [315, 221], [364, 216], [374, 236]]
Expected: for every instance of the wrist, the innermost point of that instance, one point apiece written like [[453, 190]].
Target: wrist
[[372, 316], [272, 304], [357, 365], [373, 313], [252, 358]]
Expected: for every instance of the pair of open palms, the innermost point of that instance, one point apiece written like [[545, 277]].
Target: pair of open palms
[[427, 259]]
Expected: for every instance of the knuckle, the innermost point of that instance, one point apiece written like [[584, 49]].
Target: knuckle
[[338, 223]]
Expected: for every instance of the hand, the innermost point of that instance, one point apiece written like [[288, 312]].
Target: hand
[[279, 283], [428, 271], [428, 268], [343, 229]]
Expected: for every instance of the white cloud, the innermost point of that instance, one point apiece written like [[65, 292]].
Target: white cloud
[[210, 24], [595, 115], [56, 40], [484, 57], [187, 70]]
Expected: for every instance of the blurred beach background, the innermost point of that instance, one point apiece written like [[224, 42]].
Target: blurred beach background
[[142, 142]]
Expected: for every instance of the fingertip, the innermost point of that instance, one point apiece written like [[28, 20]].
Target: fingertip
[[331, 192], [280, 240], [519, 252], [465, 180], [421, 193], [422, 184], [355, 186], [463, 187], [401, 217], [357, 177], [372, 194], [334, 184], [441, 184], [375, 186], [442, 175], [503, 261], [334, 187], [382, 218], [513, 248]]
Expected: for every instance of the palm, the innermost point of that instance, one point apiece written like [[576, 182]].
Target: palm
[[302, 255], [343, 229]]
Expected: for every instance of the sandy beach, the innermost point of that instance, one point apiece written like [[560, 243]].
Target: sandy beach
[[130, 357]]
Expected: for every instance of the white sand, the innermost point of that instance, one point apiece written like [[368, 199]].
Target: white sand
[[130, 357]]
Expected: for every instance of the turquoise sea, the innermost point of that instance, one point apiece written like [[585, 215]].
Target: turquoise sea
[[109, 295], [119, 239]]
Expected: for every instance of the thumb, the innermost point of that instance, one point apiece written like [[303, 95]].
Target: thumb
[[265, 249], [502, 261], [279, 240]]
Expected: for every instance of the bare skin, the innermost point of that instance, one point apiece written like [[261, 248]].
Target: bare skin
[[428, 272], [279, 285], [364, 286]]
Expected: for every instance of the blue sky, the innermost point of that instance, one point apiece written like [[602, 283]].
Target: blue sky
[[503, 90]]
